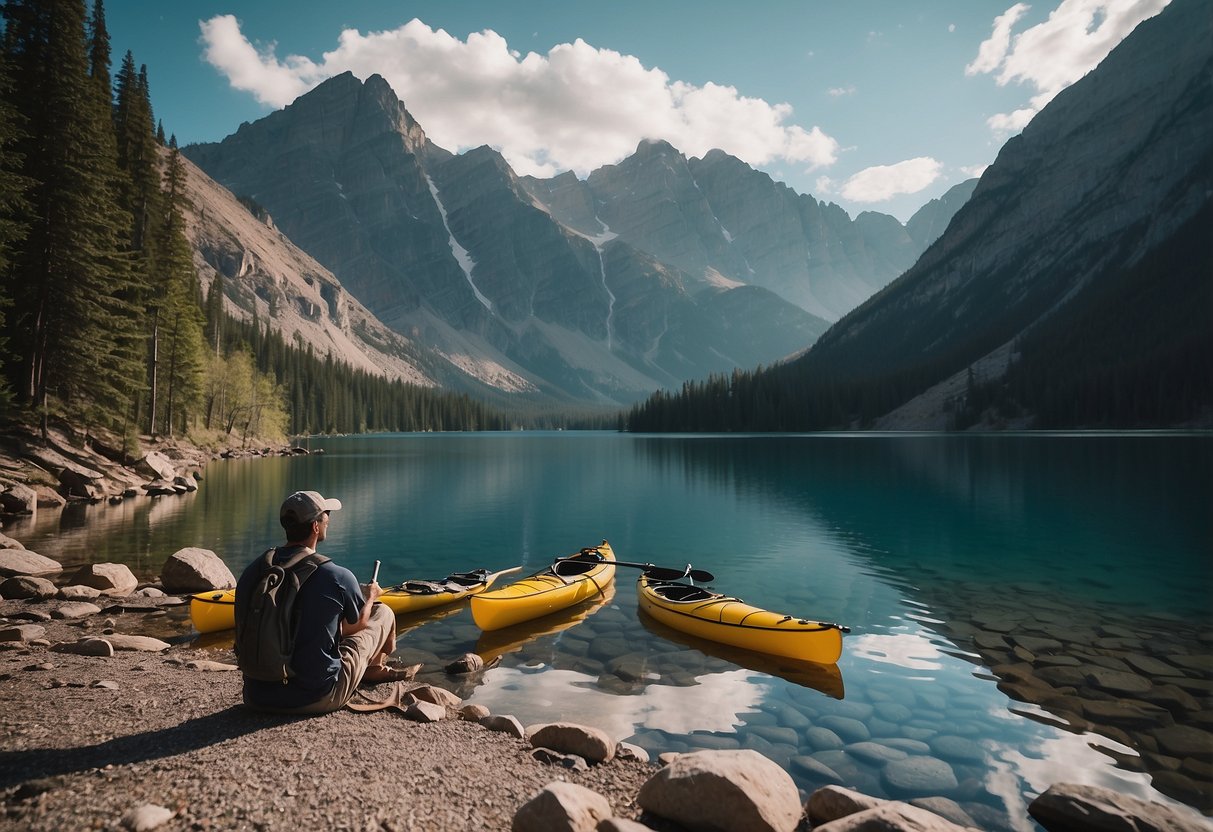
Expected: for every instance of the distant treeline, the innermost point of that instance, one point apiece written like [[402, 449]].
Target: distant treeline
[[1132, 349], [101, 316]]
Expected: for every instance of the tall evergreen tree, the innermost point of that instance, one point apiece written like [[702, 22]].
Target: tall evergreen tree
[[182, 317], [73, 327], [13, 205]]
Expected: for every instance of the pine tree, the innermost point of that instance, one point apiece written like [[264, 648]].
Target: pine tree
[[13, 205], [70, 277], [183, 320]]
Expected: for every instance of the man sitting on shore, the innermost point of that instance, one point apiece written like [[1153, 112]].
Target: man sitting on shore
[[341, 639]]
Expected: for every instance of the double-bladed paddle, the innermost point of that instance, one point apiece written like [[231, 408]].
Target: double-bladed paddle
[[662, 573]]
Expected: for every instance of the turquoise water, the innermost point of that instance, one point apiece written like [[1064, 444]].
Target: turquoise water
[[903, 538]]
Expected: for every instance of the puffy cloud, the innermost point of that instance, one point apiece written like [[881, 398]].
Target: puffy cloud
[[882, 182], [1054, 54], [576, 108], [973, 171]]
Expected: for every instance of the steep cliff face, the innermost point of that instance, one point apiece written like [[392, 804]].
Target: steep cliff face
[[1104, 177], [931, 220], [717, 217], [266, 275], [525, 292]]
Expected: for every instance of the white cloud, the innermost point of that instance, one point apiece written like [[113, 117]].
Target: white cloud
[[1054, 54], [838, 92], [973, 171], [951, 27], [882, 182], [824, 185], [576, 108]]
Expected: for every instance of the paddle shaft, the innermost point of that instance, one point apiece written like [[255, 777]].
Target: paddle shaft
[[663, 573]]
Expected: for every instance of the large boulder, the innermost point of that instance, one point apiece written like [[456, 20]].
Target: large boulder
[[157, 466], [562, 807], [7, 542], [110, 578], [27, 586], [834, 802], [24, 562], [1071, 807], [16, 498], [195, 570], [591, 743], [723, 790]]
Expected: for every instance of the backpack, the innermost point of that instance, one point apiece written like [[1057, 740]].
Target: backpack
[[266, 618]]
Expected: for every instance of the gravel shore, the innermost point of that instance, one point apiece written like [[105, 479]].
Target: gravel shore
[[86, 740]]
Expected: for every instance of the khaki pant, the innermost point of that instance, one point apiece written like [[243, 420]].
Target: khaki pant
[[356, 654]]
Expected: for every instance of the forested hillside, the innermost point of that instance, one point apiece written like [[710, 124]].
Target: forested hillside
[[103, 320]]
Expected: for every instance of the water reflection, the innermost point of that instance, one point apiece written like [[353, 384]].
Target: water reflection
[[824, 678], [909, 650], [494, 644]]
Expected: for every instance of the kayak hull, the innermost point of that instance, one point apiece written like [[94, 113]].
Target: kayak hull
[[727, 620], [403, 599], [212, 612], [544, 592]]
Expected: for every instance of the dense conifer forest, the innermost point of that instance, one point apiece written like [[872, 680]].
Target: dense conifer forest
[[1097, 362], [103, 320]]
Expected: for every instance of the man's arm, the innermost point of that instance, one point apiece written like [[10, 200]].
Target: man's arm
[[373, 592]]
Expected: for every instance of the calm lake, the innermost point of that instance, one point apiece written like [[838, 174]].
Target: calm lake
[[1007, 594]]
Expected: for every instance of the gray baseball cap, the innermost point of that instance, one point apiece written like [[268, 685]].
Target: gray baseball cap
[[306, 506]]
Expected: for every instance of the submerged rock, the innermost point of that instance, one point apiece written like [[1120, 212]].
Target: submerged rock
[[1071, 807]]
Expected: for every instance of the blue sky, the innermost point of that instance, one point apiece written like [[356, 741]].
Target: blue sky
[[873, 105]]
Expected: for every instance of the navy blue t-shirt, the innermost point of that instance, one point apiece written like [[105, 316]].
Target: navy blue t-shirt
[[328, 596]]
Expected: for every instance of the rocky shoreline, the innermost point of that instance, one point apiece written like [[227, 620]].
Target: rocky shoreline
[[113, 719]]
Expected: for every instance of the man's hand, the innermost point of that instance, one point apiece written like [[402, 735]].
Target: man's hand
[[373, 591]]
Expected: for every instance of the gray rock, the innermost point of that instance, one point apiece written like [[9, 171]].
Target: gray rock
[[110, 578], [851, 730], [919, 776], [834, 802], [1184, 741], [628, 751], [1149, 666], [1037, 645], [957, 749], [204, 664], [947, 809], [22, 632], [585, 741], [437, 696], [156, 465], [723, 790], [891, 816], [816, 770], [421, 711], [873, 752], [146, 817], [893, 712], [86, 647], [823, 739], [105, 684], [1115, 681], [16, 498], [562, 807], [473, 713], [27, 586], [195, 570], [555, 758], [75, 609], [1071, 807], [145, 644], [504, 723], [78, 592], [7, 542], [24, 562]]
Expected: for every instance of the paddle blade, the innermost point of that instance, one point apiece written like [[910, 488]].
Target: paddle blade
[[701, 576], [663, 573]]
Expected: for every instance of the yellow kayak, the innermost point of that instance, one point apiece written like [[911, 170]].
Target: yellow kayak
[[497, 643], [414, 596], [214, 611], [564, 583], [728, 620]]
